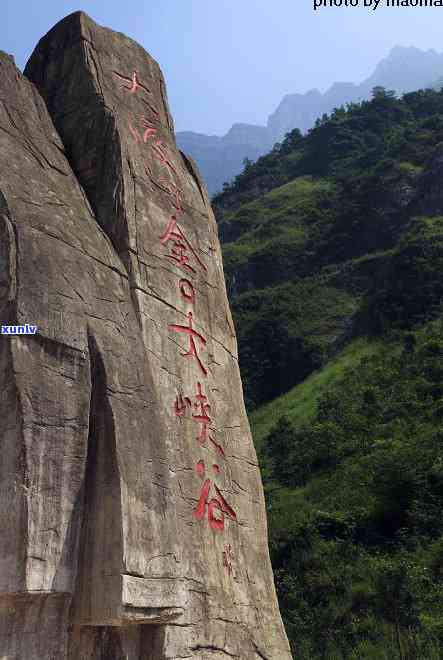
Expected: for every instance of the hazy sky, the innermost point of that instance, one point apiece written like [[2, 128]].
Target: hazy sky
[[229, 61]]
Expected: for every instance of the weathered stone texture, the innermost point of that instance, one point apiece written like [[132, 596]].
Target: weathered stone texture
[[132, 513]]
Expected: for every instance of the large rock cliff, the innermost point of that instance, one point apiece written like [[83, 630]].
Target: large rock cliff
[[132, 513]]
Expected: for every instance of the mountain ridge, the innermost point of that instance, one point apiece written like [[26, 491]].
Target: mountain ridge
[[333, 254], [220, 158]]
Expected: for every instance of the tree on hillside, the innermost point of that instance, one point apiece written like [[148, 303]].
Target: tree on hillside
[[379, 92]]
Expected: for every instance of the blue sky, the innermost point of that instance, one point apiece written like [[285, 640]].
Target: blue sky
[[229, 61]]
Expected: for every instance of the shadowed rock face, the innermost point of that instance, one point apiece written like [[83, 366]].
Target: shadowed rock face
[[132, 515]]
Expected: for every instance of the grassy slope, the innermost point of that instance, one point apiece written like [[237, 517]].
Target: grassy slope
[[299, 404], [356, 539], [279, 223], [307, 230]]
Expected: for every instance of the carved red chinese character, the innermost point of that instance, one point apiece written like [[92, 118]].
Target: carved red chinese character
[[187, 291], [180, 405], [174, 190], [133, 131], [160, 153], [202, 417], [203, 407], [149, 128], [217, 507], [180, 246], [193, 335], [131, 84]]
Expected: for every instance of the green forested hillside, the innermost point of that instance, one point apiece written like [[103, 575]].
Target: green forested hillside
[[333, 248]]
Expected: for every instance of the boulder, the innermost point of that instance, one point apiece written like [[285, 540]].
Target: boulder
[[132, 518]]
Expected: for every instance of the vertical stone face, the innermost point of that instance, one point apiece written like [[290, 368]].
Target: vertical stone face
[[133, 503], [60, 472]]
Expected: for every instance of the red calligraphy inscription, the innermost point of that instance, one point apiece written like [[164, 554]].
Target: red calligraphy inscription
[[180, 246], [187, 291], [131, 84], [149, 128], [174, 190], [192, 335], [133, 131], [201, 417], [217, 507], [180, 405], [160, 153]]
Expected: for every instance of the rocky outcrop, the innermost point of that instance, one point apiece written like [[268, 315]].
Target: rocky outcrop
[[132, 518]]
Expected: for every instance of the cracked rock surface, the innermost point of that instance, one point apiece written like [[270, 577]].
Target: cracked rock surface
[[132, 516]]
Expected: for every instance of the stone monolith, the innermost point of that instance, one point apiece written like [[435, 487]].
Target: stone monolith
[[132, 515]]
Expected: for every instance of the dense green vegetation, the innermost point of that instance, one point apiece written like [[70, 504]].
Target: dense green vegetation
[[355, 509], [327, 217], [300, 403], [333, 247]]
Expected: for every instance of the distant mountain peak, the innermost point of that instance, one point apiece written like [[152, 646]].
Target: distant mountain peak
[[404, 69]]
